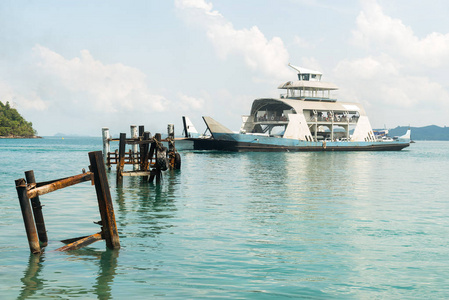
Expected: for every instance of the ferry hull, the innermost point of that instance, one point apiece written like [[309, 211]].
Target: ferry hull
[[244, 142]]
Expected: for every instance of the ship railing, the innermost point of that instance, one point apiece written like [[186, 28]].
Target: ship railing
[[270, 119], [333, 119]]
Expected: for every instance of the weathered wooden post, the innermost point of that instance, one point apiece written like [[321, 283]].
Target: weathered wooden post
[[174, 157], [145, 158], [135, 148], [27, 215], [109, 226], [37, 211], [121, 157], [106, 145], [171, 136], [141, 147], [156, 147]]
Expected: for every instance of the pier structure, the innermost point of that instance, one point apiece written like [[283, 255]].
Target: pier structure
[[147, 154], [28, 192]]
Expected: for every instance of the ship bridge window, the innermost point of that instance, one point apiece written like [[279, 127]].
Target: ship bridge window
[[305, 77]]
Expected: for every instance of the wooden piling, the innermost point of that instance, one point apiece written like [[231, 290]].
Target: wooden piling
[[152, 154], [37, 211], [109, 226], [145, 156], [135, 148], [106, 145], [121, 156], [33, 239], [141, 147], [156, 147], [171, 137]]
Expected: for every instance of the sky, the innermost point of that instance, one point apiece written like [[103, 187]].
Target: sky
[[73, 67]]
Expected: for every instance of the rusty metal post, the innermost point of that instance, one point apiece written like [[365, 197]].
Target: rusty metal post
[[171, 130], [121, 157], [106, 145], [37, 211], [134, 147], [145, 157], [109, 226], [141, 147], [27, 215], [172, 155], [155, 147]]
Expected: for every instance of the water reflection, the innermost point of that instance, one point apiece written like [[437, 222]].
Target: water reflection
[[143, 207], [32, 281], [108, 266], [34, 284]]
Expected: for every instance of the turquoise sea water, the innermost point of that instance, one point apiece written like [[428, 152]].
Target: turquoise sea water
[[354, 225]]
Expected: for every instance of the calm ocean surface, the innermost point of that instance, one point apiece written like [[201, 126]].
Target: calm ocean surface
[[354, 225]]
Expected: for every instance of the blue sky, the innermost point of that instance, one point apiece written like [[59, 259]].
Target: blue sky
[[76, 66]]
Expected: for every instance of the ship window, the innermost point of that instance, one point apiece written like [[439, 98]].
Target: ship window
[[313, 76], [305, 76]]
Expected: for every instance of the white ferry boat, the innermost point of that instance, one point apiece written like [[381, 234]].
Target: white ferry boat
[[304, 118]]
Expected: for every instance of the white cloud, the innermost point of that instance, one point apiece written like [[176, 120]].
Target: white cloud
[[302, 43], [260, 54], [394, 78], [379, 31], [189, 102], [108, 88], [379, 81], [200, 5], [30, 101]]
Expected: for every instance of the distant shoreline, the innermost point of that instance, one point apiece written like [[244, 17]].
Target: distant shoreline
[[19, 137]]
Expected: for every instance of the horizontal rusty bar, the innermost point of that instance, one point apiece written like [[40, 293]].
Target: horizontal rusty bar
[[72, 240], [59, 184], [139, 142], [136, 173], [81, 242]]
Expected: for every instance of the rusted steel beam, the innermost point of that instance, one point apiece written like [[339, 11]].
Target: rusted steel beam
[[109, 226], [37, 211], [137, 173], [69, 241], [62, 183], [141, 142], [30, 228], [83, 242]]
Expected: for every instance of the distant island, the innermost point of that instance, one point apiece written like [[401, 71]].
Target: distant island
[[13, 125], [426, 133]]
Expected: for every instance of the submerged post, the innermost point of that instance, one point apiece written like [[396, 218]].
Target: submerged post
[[37, 211], [145, 158], [27, 215], [134, 147], [106, 144], [109, 226], [171, 136], [121, 156]]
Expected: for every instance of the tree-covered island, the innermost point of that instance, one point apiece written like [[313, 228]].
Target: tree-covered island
[[13, 125]]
